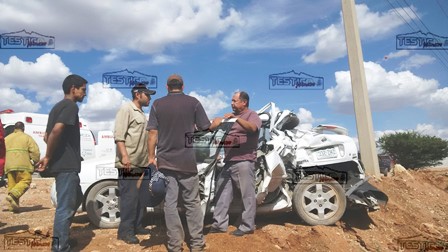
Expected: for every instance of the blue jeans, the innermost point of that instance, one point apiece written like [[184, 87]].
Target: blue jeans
[[69, 197], [185, 185]]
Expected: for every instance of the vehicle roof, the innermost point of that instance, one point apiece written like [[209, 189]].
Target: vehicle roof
[[37, 119]]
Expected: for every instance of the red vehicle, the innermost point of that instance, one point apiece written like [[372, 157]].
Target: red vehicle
[[2, 153]]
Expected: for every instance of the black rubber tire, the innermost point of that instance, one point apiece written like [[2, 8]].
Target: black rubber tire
[[103, 204], [319, 200]]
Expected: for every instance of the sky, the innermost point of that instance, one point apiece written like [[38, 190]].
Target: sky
[[219, 47]]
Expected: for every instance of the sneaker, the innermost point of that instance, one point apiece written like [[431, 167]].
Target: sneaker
[[239, 232], [13, 202], [129, 239]]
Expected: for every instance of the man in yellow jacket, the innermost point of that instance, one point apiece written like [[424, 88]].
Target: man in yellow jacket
[[22, 153]]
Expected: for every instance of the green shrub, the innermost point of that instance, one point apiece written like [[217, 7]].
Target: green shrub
[[414, 150]]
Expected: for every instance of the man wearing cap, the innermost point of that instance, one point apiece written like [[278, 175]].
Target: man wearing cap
[[63, 158], [171, 118], [131, 160]]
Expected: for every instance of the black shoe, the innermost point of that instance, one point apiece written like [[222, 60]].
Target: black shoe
[[142, 231], [129, 239], [72, 242], [239, 232], [215, 231], [199, 249]]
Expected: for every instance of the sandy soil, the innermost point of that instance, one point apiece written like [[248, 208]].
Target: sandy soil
[[415, 217]]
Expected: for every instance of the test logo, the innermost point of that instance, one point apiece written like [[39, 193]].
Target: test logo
[[197, 140], [420, 243], [325, 174], [28, 242], [421, 41], [128, 79], [106, 171], [292, 80], [26, 40]]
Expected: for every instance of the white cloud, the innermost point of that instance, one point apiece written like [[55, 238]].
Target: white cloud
[[267, 24], [387, 90], [143, 26], [113, 54], [437, 105], [379, 134], [424, 128], [373, 25], [397, 54], [306, 119], [163, 59], [416, 61], [118, 26], [329, 43], [431, 130], [10, 99], [100, 106], [42, 78], [212, 103]]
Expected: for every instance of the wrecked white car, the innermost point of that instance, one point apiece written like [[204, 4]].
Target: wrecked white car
[[313, 173]]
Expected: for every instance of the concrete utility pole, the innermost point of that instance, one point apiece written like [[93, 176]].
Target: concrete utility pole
[[359, 89]]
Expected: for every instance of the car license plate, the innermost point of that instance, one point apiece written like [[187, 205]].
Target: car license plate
[[326, 153]]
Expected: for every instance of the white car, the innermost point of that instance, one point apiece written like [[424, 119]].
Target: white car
[[312, 173]]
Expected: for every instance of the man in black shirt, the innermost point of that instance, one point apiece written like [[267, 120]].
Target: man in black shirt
[[171, 118], [63, 158]]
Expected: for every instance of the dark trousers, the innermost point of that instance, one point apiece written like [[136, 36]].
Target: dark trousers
[[132, 209]]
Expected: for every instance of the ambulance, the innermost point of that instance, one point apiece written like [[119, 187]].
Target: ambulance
[[35, 125]]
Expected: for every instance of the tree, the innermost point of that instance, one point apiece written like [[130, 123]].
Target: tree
[[414, 150]]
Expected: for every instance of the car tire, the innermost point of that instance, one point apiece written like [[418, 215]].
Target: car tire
[[319, 200], [103, 204]]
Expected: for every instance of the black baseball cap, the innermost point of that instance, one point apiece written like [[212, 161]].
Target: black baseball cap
[[141, 88]]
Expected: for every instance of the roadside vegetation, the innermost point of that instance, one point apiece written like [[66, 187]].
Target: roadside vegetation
[[414, 150]]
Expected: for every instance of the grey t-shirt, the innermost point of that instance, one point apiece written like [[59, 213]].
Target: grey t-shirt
[[175, 117]]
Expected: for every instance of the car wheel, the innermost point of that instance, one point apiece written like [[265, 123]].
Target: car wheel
[[319, 200], [103, 204]]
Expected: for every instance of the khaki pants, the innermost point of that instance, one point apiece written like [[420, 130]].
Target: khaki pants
[[18, 183]]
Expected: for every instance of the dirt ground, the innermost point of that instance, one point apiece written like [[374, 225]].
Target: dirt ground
[[416, 217]]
